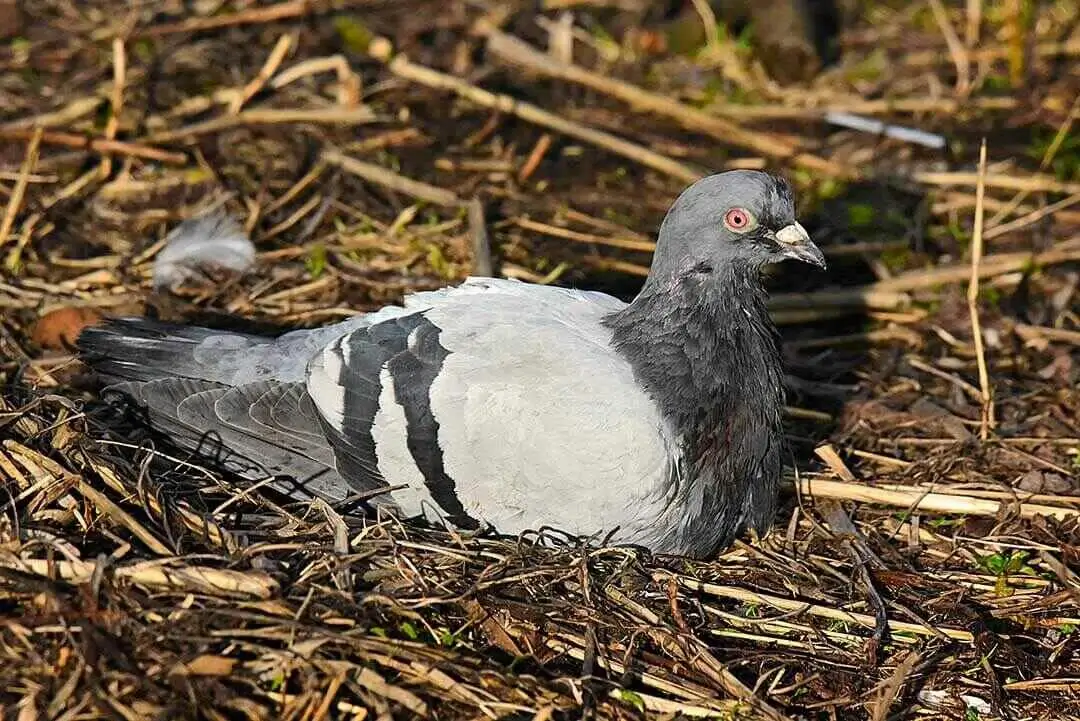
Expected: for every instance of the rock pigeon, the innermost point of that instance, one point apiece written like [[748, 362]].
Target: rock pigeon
[[507, 406]]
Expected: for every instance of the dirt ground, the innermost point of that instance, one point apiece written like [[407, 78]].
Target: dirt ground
[[925, 562]]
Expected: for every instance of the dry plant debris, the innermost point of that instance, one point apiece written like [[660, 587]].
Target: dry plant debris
[[926, 562]]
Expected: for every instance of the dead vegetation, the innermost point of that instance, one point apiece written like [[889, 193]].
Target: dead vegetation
[[925, 563]]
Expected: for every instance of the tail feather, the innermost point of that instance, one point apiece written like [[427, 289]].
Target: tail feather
[[214, 394], [141, 349]]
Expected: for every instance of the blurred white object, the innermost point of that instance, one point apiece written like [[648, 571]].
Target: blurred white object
[[898, 132], [939, 698], [211, 241]]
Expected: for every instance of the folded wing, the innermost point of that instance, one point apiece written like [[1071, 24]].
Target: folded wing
[[501, 403]]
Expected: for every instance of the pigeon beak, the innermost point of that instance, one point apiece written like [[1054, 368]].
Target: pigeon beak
[[796, 244]]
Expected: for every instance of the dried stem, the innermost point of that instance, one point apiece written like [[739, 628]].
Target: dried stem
[[17, 195], [987, 418]]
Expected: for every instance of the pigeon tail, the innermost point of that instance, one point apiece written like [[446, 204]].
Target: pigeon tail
[[225, 397], [142, 349]]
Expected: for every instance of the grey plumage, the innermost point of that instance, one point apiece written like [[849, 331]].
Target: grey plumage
[[211, 241], [505, 404]]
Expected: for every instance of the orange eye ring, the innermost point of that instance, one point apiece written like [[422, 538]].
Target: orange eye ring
[[738, 220]]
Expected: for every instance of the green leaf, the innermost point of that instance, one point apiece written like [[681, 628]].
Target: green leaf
[[945, 522], [631, 698], [316, 260], [994, 563], [438, 261], [861, 215], [354, 35], [1016, 562]]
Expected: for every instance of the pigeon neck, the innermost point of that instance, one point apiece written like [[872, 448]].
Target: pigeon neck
[[706, 351]]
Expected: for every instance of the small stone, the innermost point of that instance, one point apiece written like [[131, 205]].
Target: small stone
[[59, 329]]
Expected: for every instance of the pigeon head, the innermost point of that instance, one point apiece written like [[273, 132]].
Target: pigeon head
[[741, 219]]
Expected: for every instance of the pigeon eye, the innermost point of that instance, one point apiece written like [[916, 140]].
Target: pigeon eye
[[739, 220]]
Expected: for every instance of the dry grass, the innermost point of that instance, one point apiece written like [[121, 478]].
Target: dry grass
[[373, 148]]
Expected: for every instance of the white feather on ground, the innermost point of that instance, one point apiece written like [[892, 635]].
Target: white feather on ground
[[211, 241]]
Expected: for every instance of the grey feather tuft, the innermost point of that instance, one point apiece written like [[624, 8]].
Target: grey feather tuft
[[211, 241]]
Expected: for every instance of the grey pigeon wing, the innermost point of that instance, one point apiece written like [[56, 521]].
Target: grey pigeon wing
[[501, 403], [142, 349], [247, 408], [347, 383], [160, 401], [161, 398], [212, 421], [160, 407], [290, 407], [224, 413], [371, 388], [262, 458]]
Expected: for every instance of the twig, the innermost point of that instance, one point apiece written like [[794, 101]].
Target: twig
[[157, 576], [1031, 218], [1047, 158], [272, 13], [953, 201], [918, 499], [723, 54], [348, 93], [99, 145], [861, 106], [709, 23], [973, 24], [513, 50], [799, 607], [693, 651], [645, 246], [992, 265], [874, 296], [273, 62], [66, 115], [269, 116], [533, 161], [956, 49], [1014, 10], [888, 691], [1045, 49], [195, 522], [1030, 332], [16, 199], [14, 259], [987, 417], [832, 459], [117, 103], [888, 294], [119, 515], [481, 244], [1031, 183], [382, 50], [392, 180]]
